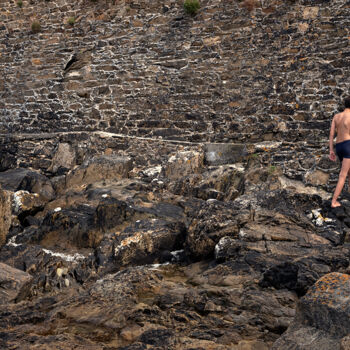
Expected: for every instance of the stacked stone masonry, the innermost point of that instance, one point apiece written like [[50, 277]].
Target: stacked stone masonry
[[237, 71]]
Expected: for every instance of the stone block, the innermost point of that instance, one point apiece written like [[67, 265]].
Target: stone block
[[218, 153]]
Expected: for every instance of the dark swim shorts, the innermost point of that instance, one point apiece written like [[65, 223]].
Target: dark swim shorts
[[343, 149]]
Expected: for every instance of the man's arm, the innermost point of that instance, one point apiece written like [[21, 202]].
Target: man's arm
[[331, 141]]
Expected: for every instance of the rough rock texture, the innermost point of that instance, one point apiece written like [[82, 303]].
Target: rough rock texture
[[236, 71], [12, 282], [145, 254], [136, 233], [323, 317], [5, 215]]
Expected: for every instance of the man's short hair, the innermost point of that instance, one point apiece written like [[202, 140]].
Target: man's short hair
[[347, 102]]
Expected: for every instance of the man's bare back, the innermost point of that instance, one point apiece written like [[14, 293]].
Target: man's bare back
[[342, 125]]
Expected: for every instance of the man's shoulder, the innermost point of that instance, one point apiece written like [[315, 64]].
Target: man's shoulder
[[337, 116]]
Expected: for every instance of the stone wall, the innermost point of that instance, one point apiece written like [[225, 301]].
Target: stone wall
[[237, 71]]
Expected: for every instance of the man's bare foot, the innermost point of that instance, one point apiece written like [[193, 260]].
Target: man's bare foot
[[335, 204]]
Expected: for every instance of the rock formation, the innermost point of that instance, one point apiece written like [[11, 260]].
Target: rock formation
[[158, 248], [164, 177]]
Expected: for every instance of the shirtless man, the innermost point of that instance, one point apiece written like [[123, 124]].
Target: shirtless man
[[341, 127]]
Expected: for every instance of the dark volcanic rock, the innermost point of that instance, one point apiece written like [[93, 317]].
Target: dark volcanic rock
[[99, 168], [111, 212], [323, 317], [213, 221], [51, 271], [24, 179], [70, 227], [147, 241]]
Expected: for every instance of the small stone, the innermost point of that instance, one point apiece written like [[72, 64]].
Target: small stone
[[59, 272]]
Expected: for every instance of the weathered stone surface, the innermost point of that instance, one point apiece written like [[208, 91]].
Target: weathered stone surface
[[216, 154], [24, 179], [5, 215], [69, 227], [322, 318], [63, 159], [99, 168], [148, 242], [222, 183], [184, 163], [25, 203], [12, 281]]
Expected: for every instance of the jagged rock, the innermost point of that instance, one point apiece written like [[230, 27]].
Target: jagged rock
[[5, 215], [111, 212], [24, 179], [50, 272], [99, 168], [12, 281], [147, 241], [323, 317], [25, 203], [8, 159], [184, 163], [227, 248], [73, 226], [213, 221], [63, 159], [223, 183]]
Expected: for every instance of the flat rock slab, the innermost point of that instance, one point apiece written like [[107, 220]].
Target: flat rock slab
[[218, 153], [11, 282]]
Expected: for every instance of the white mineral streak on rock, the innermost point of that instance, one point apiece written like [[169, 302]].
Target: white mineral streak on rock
[[239, 167], [175, 253], [66, 257], [153, 171], [105, 195], [219, 245], [241, 233], [74, 74], [210, 200], [12, 242], [157, 266], [57, 209], [267, 145]]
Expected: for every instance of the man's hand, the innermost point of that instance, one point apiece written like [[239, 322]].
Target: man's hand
[[332, 156]]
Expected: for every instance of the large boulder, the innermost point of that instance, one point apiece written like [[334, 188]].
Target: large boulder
[[74, 226], [11, 281], [63, 159], [28, 180], [184, 163], [100, 168], [225, 182], [322, 321], [148, 241]]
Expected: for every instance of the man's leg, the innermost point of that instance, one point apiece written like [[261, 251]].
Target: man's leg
[[345, 167]]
